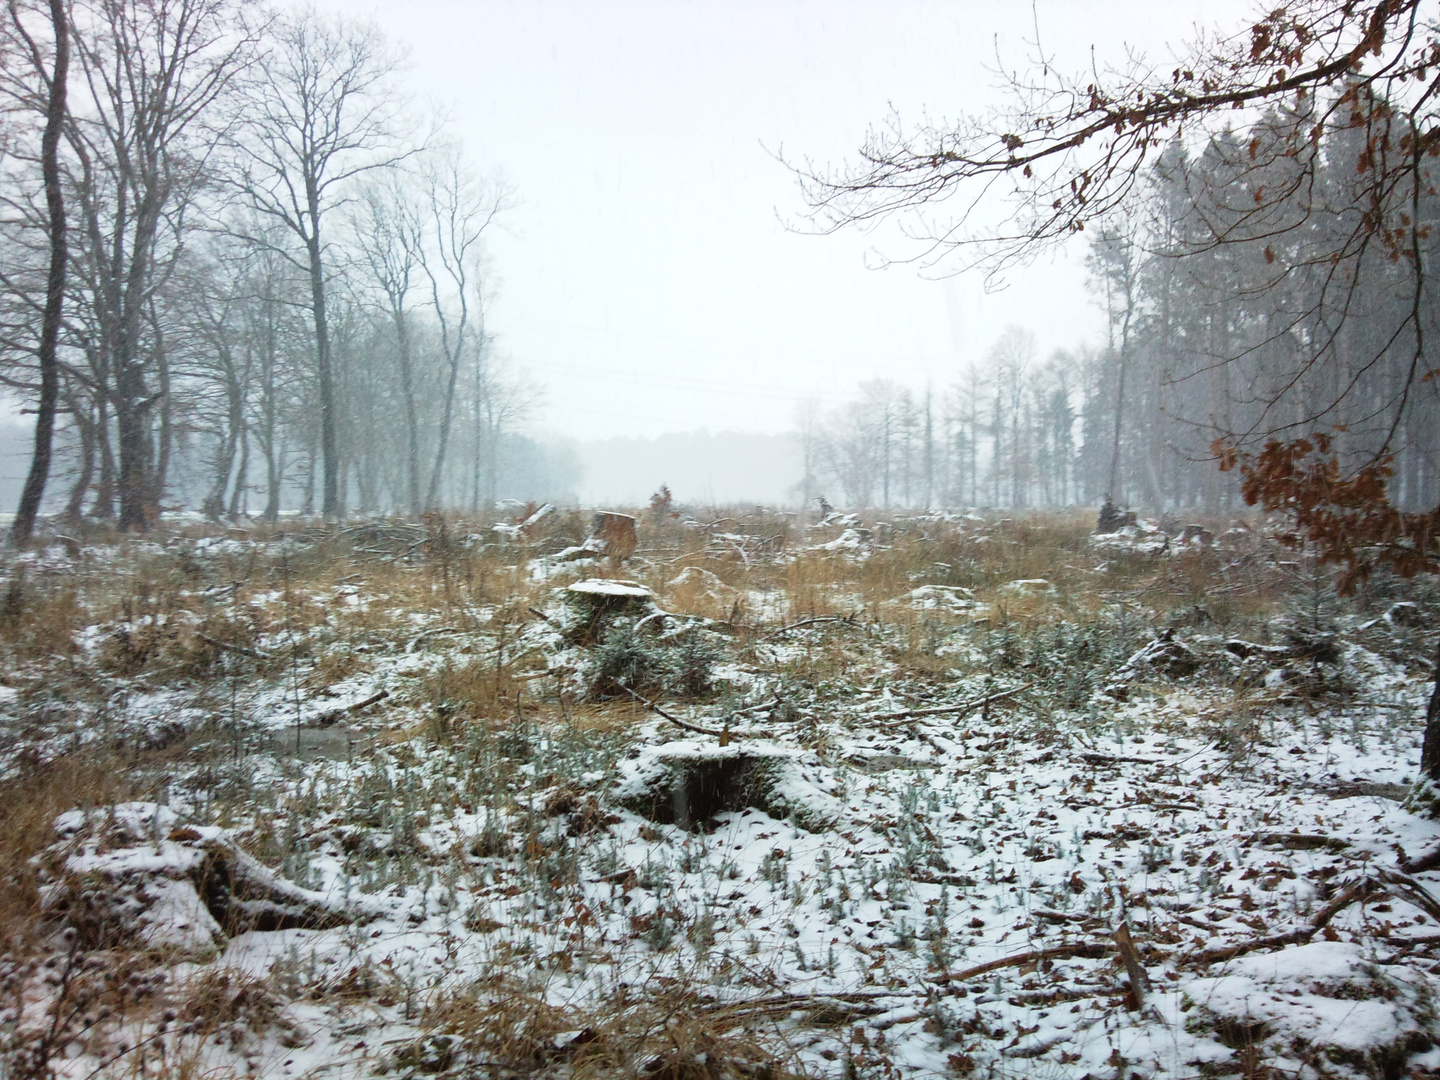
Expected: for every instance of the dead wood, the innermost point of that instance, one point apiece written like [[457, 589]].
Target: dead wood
[[227, 647], [418, 638], [1117, 759], [1351, 894], [1381, 881], [848, 619], [1300, 841], [724, 736], [329, 717], [963, 707], [1139, 981], [1083, 951], [1428, 861]]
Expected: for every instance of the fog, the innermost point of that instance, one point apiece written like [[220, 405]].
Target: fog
[[567, 252], [649, 279]]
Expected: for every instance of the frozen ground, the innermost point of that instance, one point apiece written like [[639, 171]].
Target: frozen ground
[[450, 846]]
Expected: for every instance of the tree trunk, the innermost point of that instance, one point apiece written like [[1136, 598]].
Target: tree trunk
[[308, 506], [329, 449], [273, 470], [214, 505], [1119, 414], [432, 495], [272, 487], [34, 490], [167, 417], [85, 425], [103, 509], [239, 497], [132, 416], [1430, 750], [412, 423]]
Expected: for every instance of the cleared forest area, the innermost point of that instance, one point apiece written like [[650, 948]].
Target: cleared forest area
[[939, 794]]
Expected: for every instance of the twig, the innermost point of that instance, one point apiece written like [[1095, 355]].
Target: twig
[[1116, 759], [541, 615], [810, 622], [1088, 951], [747, 710], [963, 707], [1358, 891], [1393, 882], [241, 649], [415, 641], [371, 700], [673, 719]]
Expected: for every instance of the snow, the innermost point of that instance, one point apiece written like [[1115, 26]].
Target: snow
[[611, 587], [862, 863]]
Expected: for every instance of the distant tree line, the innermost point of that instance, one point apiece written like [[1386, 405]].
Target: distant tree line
[[272, 288], [1250, 338]]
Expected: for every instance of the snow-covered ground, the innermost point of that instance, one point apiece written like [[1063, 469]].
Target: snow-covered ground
[[883, 865]]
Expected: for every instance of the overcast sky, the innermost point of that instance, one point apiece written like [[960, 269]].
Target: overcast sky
[[647, 279]]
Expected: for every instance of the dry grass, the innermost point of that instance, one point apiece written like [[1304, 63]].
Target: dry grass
[[666, 1035], [28, 807], [156, 613]]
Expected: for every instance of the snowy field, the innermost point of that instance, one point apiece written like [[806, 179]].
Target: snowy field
[[937, 796]]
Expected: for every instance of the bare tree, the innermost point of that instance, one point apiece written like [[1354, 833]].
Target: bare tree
[[323, 111], [460, 210], [52, 86], [389, 233], [152, 72], [807, 414], [502, 400]]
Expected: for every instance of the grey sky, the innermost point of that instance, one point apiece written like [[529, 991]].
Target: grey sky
[[645, 279]]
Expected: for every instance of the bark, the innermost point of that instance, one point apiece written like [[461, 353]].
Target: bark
[[267, 444], [432, 496], [214, 505], [103, 508], [1430, 750], [34, 490], [167, 416], [85, 426], [239, 497], [412, 423], [329, 449]]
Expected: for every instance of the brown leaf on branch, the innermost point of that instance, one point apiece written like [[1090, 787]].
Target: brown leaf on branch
[[1348, 516]]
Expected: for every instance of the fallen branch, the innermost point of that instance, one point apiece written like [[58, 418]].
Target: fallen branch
[[541, 615], [1428, 861], [1351, 894], [227, 647], [1299, 841], [1412, 891], [415, 641], [1089, 951], [811, 622], [963, 707], [330, 716], [1392, 881], [1117, 759], [747, 710], [371, 700], [1139, 980], [724, 736]]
